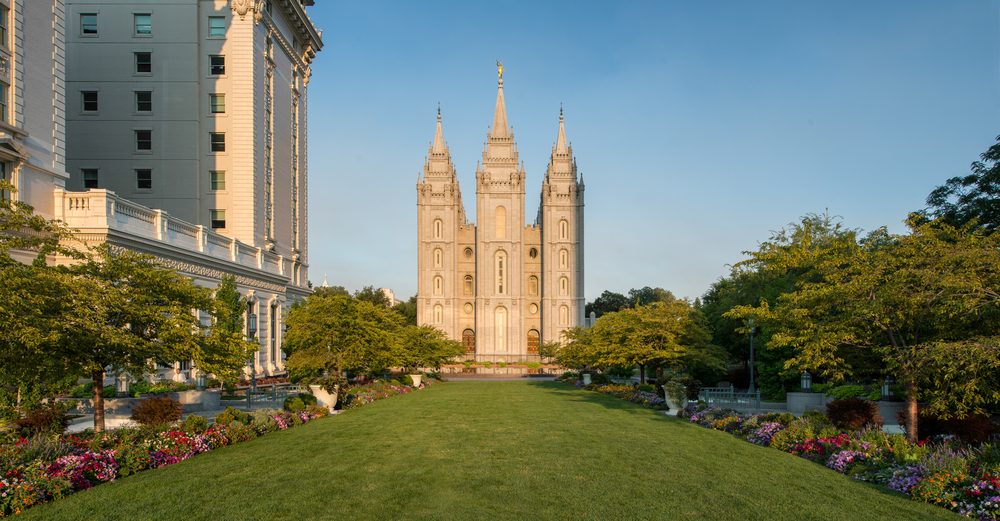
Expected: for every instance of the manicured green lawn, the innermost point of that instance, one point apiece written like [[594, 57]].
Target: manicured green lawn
[[492, 450]]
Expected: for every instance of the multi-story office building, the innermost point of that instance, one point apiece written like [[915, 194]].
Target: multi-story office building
[[32, 102], [120, 156]]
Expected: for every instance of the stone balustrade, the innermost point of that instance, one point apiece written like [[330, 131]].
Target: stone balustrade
[[100, 211]]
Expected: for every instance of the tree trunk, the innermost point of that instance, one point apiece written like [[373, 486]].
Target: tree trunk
[[912, 410], [642, 373], [97, 387]]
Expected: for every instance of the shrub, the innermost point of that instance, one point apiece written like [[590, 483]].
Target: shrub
[[784, 418], [293, 404], [853, 413], [240, 432], [49, 419], [649, 388], [132, 458], [232, 414], [600, 379], [157, 410], [843, 392], [971, 429], [263, 422], [194, 424]]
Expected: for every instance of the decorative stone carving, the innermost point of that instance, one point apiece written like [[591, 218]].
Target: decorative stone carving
[[242, 7]]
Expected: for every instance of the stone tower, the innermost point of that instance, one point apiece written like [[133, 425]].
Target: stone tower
[[502, 287]]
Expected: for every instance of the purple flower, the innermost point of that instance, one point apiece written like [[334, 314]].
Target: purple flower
[[905, 478], [843, 459], [764, 433]]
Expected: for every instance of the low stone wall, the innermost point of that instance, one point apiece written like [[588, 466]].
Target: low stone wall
[[798, 403], [193, 401]]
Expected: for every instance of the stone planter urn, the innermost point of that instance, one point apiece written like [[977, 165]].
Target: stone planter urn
[[194, 401], [586, 378], [416, 379], [675, 407], [324, 397]]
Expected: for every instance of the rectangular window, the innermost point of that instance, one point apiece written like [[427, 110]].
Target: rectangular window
[[218, 141], [89, 177], [143, 62], [218, 219], [218, 102], [216, 26], [143, 179], [4, 25], [216, 65], [143, 24], [4, 100], [144, 140], [4, 192], [218, 179], [89, 100], [88, 24], [143, 101]]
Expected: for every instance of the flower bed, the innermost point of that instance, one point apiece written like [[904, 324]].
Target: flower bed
[[945, 472], [45, 468], [360, 395], [629, 393]]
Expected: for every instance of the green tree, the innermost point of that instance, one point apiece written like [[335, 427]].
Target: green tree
[[786, 259], [425, 346], [648, 295], [971, 198], [659, 334], [226, 349], [608, 302], [328, 335], [408, 309], [331, 291], [927, 303], [373, 295], [127, 314]]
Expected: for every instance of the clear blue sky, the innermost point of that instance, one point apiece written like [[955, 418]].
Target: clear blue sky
[[700, 127]]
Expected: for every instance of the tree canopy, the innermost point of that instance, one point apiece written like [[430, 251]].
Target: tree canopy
[[925, 304], [973, 198]]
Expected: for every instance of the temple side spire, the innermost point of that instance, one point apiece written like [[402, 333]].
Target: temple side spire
[[561, 145], [439, 146]]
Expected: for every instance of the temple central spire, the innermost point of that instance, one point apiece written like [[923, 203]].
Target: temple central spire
[[500, 128]]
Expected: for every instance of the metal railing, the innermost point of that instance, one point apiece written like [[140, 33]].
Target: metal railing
[[729, 397]]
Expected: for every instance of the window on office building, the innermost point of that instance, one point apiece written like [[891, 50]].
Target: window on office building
[[143, 101], [144, 140], [143, 62], [218, 218], [143, 179], [143, 24], [216, 65], [89, 177], [89, 100], [218, 178]]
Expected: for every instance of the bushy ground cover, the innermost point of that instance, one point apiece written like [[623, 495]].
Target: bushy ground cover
[[495, 449], [944, 471], [46, 467]]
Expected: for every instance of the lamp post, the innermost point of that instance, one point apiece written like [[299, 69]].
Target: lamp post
[[887, 387], [251, 332], [753, 330], [806, 380]]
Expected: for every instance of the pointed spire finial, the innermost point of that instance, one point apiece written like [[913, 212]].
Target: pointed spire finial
[[439, 145], [561, 144], [500, 128]]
